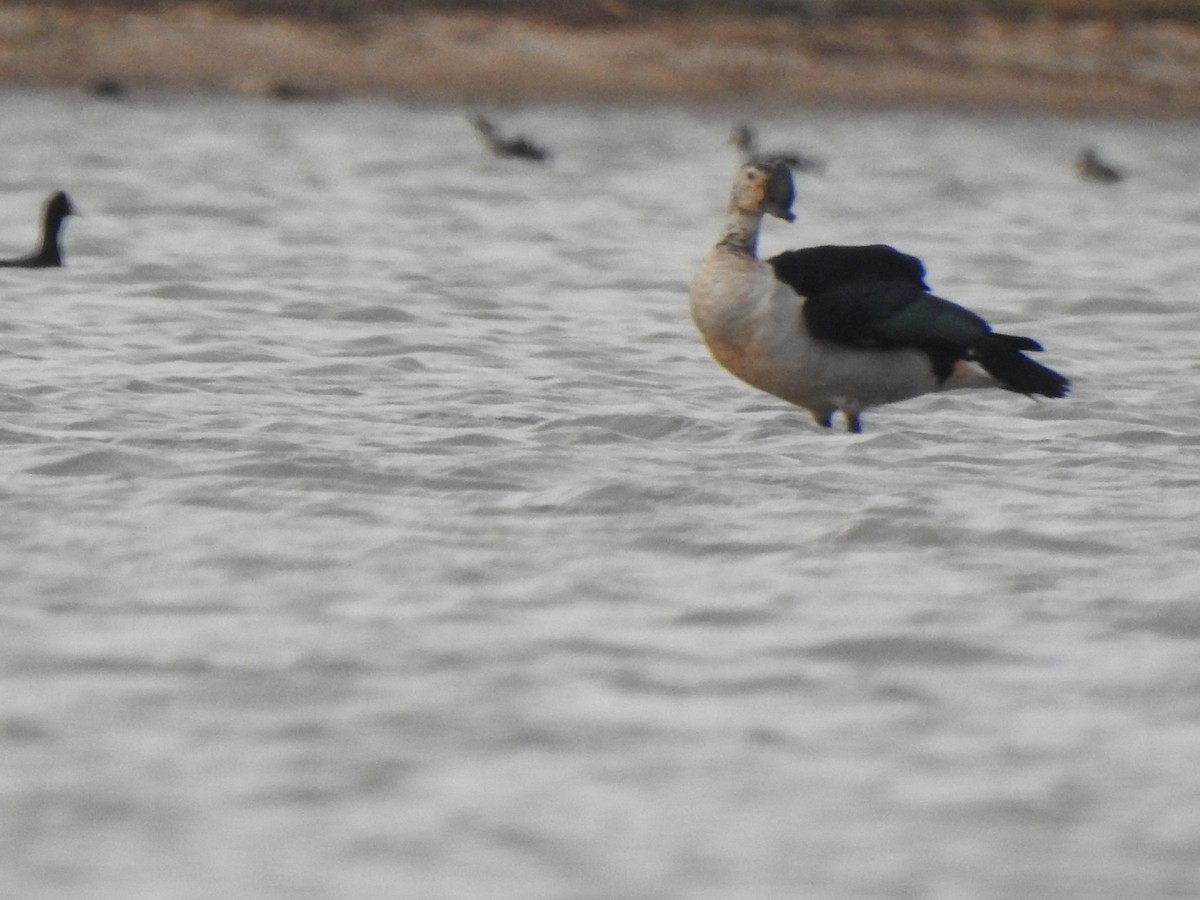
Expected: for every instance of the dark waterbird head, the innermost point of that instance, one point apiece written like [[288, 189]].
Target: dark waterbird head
[[59, 206]]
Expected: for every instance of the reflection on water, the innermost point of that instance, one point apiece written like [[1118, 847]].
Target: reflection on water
[[376, 525]]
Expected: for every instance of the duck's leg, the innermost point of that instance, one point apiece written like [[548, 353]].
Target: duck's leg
[[853, 422], [824, 419]]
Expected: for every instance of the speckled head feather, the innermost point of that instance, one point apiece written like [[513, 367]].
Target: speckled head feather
[[764, 188]]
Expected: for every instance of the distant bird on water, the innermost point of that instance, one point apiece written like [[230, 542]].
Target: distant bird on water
[[1089, 165], [49, 255], [841, 329], [743, 138], [287, 90], [516, 147], [112, 88]]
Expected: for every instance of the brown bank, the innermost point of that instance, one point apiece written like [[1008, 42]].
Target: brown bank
[[1073, 65]]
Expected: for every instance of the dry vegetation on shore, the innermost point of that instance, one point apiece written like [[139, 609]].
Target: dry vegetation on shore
[[1139, 56], [600, 11]]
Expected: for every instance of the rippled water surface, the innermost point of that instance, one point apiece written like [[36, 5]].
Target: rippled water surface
[[376, 526]]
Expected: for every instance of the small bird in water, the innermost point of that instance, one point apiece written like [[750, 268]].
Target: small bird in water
[[1089, 165], [842, 328], [111, 88], [49, 255], [516, 147], [743, 138]]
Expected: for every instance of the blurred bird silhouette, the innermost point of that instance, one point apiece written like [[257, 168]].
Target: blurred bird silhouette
[[514, 148], [1089, 165], [49, 255], [744, 139]]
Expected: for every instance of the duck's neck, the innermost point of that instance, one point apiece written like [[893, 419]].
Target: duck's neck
[[50, 229], [741, 232]]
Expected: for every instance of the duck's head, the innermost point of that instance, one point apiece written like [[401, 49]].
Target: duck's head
[[764, 188], [742, 137], [59, 206], [482, 125]]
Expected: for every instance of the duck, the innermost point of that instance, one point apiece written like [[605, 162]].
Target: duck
[[841, 329], [289, 91], [57, 208], [109, 88], [515, 148], [1090, 166], [743, 138]]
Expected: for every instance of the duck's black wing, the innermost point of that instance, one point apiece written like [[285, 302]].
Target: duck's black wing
[[814, 270], [897, 314], [891, 314], [524, 148]]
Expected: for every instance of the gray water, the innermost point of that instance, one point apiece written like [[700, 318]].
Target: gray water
[[376, 526]]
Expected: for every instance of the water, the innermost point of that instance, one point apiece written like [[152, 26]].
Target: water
[[376, 526]]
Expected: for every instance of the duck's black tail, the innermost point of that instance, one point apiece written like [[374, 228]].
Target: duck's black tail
[[1001, 356]]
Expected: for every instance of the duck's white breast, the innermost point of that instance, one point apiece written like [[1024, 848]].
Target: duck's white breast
[[753, 325]]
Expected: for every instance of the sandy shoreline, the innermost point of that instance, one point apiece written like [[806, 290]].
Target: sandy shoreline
[[1073, 67]]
